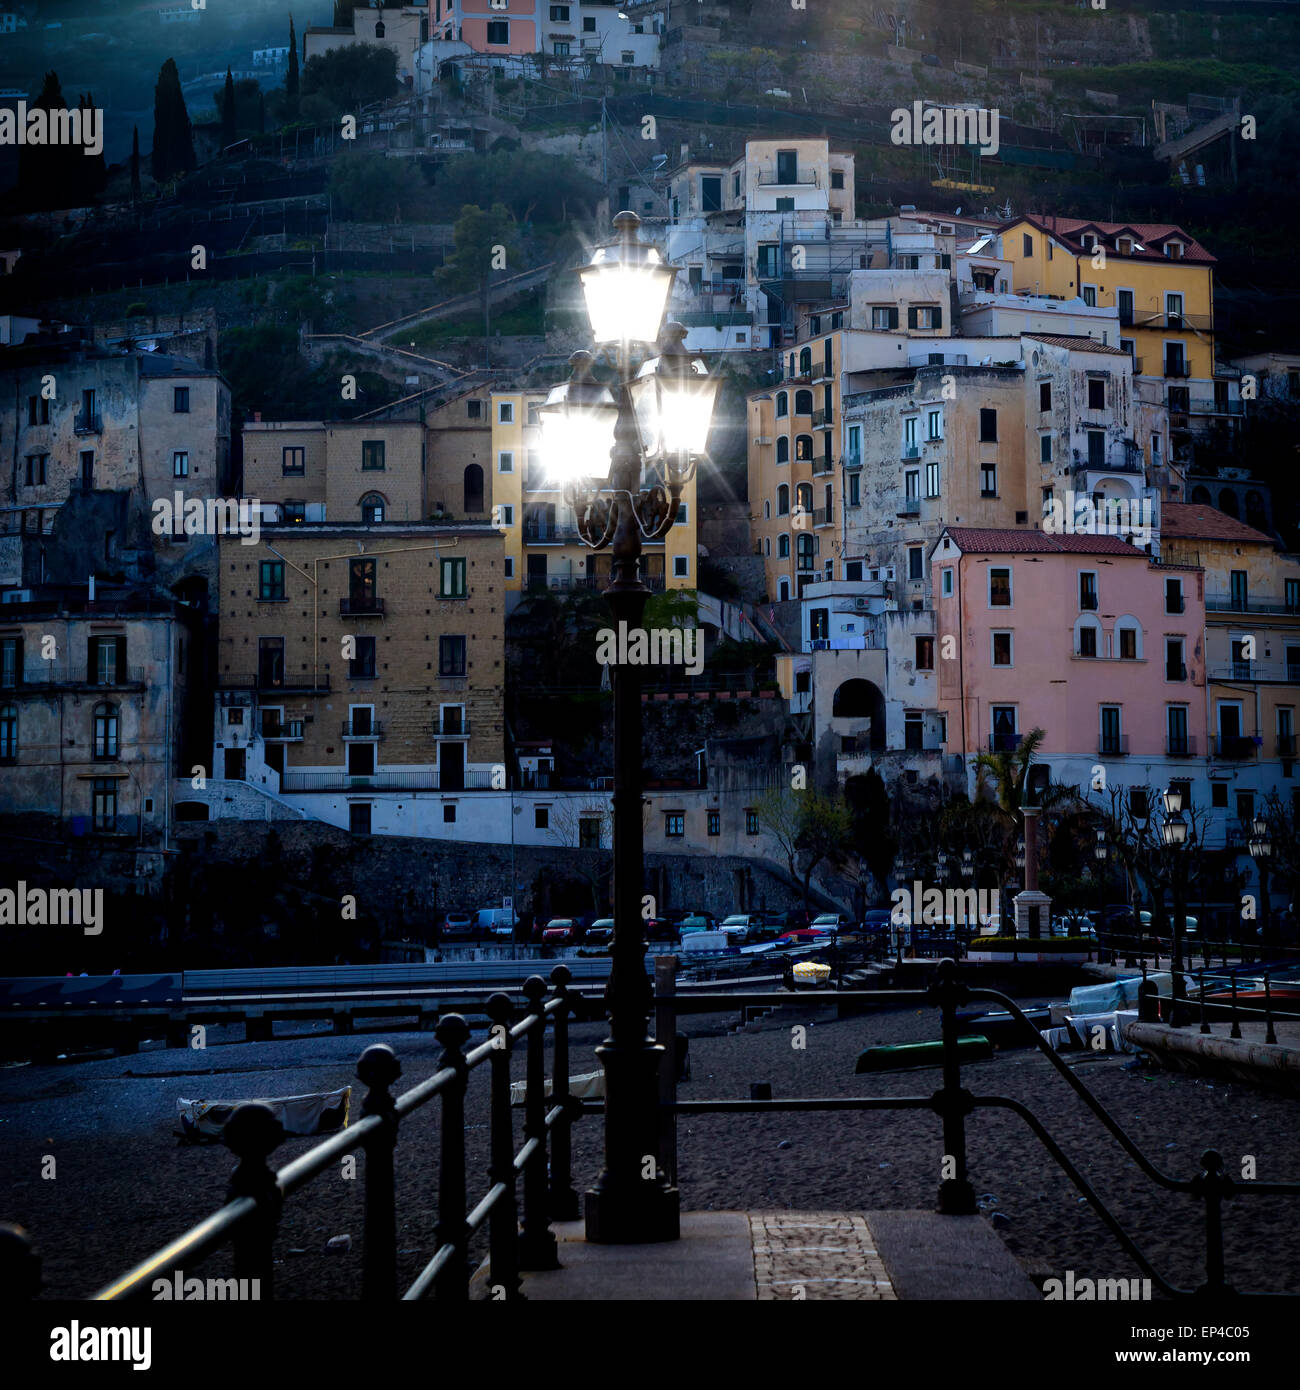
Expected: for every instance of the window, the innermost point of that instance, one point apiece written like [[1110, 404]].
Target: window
[[946, 582], [11, 662], [1002, 649], [294, 512], [507, 514], [751, 822], [505, 461], [359, 811], [925, 653], [452, 579], [988, 426], [1087, 640], [372, 455], [449, 813], [1238, 590], [1096, 393], [1175, 668], [1044, 448], [924, 316], [884, 317], [1004, 727], [932, 479], [1174, 310], [1176, 726], [1087, 591], [783, 449], [912, 485], [1128, 646], [1090, 296], [783, 500], [915, 562], [683, 516], [1027, 244], [588, 832], [1111, 738], [451, 656], [855, 489], [541, 818], [560, 14], [293, 460], [1291, 595], [674, 824], [803, 402], [837, 178], [560, 48], [909, 436], [270, 662], [681, 566], [715, 822], [1173, 595], [1096, 449], [473, 410], [988, 480], [105, 733], [362, 666], [8, 733], [36, 470], [588, 25], [181, 400], [107, 663], [180, 464], [510, 566], [782, 404], [783, 547], [805, 551], [38, 410], [711, 193], [934, 425], [999, 588], [372, 509], [498, 32], [103, 804], [1044, 395], [270, 579]]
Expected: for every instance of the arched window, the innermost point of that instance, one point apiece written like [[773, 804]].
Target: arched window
[[783, 591], [767, 545], [805, 361], [782, 404], [105, 732], [473, 488], [767, 510], [1228, 503], [1201, 495], [1087, 636], [803, 446], [803, 402], [792, 364], [8, 732], [805, 550], [783, 448], [1128, 639], [783, 547], [803, 495], [372, 508], [783, 500], [1255, 512]]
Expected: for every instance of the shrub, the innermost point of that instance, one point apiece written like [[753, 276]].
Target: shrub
[[1044, 945]]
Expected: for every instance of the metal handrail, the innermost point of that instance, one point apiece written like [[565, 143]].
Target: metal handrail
[[250, 1217]]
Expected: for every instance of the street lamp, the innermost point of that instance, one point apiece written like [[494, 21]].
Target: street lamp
[[1174, 834], [622, 453], [1261, 850], [1101, 853]]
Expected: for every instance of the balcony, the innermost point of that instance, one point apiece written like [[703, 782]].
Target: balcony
[[768, 179], [564, 583], [273, 680], [1234, 603], [1175, 673], [550, 535], [361, 607], [1177, 367], [340, 780], [1286, 745], [1235, 746], [1112, 745], [1004, 743], [911, 451], [1207, 406], [1180, 323], [852, 461], [88, 422], [274, 731], [446, 726], [45, 677], [910, 506], [823, 419], [1107, 463], [368, 728], [823, 516], [822, 466], [1180, 746]]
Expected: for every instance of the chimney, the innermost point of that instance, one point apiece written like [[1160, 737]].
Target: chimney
[[257, 417]]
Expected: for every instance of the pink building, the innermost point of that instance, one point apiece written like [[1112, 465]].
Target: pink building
[[499, 26], [1081, 636]]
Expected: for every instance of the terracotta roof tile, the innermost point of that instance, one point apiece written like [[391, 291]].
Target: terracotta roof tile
[[1077, 340], [1196, 521], [1150, 235], [990, 540]]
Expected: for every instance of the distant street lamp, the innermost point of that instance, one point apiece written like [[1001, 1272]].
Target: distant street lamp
[[1174, 834], [1101, 853], [622, 454], [1261, 850]]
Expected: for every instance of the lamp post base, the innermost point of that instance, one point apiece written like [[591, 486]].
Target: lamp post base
[[632, 1201]]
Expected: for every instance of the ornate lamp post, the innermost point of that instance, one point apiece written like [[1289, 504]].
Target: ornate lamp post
[[1101, 853], [1261, 850], [623, 453], [1174, 834]]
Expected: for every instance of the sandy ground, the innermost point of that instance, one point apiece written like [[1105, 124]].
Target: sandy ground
[[123, 1186]]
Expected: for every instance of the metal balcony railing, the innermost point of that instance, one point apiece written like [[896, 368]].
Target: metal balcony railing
[[800, 180], [1286, 745], [1207, 406], [361, 607], [47, 676], [1234, 746], [823, 516], [1230, 603], [852, 460], [910, 506], [1004, 743], [272, 680], [822, 417], [88, 422], [911, 451], [446, 727], [290, 731], [1112, 745], [564, 583], [340, 780], [1180, 746], [1177, 367], [549, 535], [368, 728]]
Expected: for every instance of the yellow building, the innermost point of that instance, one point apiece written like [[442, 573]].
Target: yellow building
[[1159, 277], [542, 545]]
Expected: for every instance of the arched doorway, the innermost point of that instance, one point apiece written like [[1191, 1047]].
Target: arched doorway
[[860, 699], [473, 488]]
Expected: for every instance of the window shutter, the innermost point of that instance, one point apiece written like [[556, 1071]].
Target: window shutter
[[91, 672], [912, 316], [937, 318], [120, 644]]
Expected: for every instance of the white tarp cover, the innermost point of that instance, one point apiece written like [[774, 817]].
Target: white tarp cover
[[321, 1113], [589, 1086]]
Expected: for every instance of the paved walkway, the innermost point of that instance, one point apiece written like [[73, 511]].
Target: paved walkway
[[732, 1256]]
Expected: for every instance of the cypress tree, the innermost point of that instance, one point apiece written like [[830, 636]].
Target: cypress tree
[[135, 163], [291, 77], [173, 136], [229, 127], [96, 168], [47, 176]]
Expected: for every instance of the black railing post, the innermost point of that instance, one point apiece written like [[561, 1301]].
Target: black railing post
[[252, 1134], [1270, 1036], [503, 1230], [1205, 1027], [537, 1245], [1148, 995], [564, 1204], [1236, 1022], [1212, 1185], [951, 1102], [453, 1279], [379, 1068], [666, 1034]]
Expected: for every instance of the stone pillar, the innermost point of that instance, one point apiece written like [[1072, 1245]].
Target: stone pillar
[[1033, 909]]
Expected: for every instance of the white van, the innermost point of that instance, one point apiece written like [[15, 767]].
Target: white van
[[706, 943], [498, 921]]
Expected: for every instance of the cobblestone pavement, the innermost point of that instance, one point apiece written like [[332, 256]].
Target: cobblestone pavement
[[816, 1255]]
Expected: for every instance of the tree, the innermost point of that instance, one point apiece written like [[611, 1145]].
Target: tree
[[96, 176], [565, 828], [543, 188], [351, 77], [173, 136], [52, 176], [809, 828], [135, 163], [483, 244], [291, 76], [369, 188], [226, 109]]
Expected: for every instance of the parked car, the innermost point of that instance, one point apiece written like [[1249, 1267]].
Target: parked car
[[831, 921], [877, 921], [497, 921], [740, 925], [457, 924], [661, 929], [696, 922], [600, 933], [798, 917], [562, 931]]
